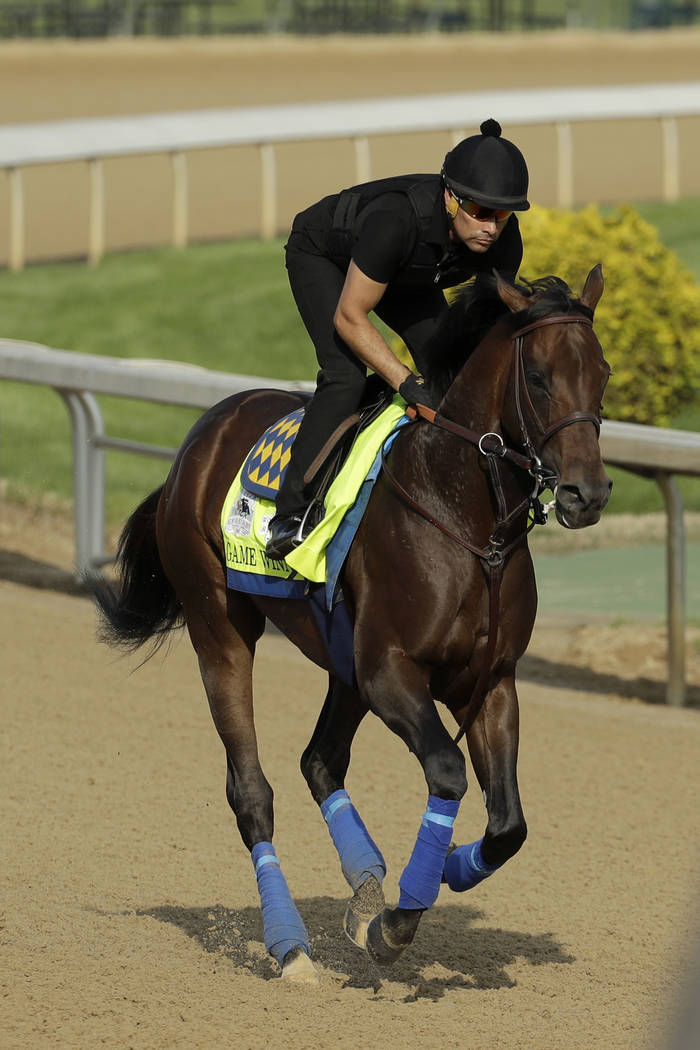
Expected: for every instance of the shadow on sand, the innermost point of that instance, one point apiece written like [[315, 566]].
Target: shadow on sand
[[470, 956]]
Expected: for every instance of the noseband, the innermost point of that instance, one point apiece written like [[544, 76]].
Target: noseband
[[493, 448]]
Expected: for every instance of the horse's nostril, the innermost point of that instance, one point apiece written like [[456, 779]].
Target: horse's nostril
[[583, 497], [570, 494]]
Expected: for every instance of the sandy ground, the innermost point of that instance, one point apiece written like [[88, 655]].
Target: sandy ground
[[130, 909], [53, 80]]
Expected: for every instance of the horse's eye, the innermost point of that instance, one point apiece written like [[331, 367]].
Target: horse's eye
[[536, 379]]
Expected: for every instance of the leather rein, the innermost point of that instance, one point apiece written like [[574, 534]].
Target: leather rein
[[492, 446]]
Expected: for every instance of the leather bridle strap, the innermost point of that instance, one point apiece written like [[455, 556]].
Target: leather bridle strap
[[486, 553], [494, 556], [443, 423], [479, 690], [521, 385]]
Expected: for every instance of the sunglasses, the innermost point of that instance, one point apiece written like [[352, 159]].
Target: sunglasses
[[481, 212]]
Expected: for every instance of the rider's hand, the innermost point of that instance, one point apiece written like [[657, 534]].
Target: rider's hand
[[415, 392]]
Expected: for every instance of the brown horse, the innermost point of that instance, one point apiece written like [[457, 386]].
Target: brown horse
[[438, 583]]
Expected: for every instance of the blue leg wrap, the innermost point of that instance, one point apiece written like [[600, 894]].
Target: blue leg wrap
[[421, 878], [465, 867], [359, 856], [282, 923]]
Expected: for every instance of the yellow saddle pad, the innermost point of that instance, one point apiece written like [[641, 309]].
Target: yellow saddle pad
[[246, 513]]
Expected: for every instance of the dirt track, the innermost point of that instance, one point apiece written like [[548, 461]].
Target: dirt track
[[57, 79], [131, 915]]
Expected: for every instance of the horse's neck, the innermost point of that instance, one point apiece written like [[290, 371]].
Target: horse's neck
[[449, 469], [475, 398]]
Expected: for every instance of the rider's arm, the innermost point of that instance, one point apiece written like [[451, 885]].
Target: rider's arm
[[358, 298]]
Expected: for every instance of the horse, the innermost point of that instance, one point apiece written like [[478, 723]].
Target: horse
[[439, 586]]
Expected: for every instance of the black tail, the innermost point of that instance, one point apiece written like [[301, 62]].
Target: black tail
[[145, 607]]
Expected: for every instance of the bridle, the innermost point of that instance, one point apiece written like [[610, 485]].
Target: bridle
[[521, 387], [492, 446]]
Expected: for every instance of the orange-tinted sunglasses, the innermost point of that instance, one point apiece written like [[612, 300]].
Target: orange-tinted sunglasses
[[481, 212]]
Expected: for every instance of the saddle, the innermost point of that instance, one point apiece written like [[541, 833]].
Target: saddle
[[327, 464]]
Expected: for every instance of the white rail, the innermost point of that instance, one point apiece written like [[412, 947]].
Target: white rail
[[656, 452], [23, 145]]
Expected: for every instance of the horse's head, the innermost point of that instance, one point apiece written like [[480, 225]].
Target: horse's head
[[555, 393]]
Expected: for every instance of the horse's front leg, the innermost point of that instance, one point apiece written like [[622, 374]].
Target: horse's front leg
[[397, 690], [324, 765], [493, 749]]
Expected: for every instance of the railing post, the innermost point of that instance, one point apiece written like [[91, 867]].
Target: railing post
[[268, 224], [16, 251], [96, 478], [96, 231], [565, 165], [180, 200], [363, 161], [675, 584], [88, 479], [671, 160]]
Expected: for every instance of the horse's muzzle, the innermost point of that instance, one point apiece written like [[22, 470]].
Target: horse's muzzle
[[580, 505]]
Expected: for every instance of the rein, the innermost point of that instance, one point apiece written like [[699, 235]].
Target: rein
[[493, 448]]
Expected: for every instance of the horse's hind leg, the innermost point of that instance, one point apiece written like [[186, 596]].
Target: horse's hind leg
[[324, 765], [224, 630]]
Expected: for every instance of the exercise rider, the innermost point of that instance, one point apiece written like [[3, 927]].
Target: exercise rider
[[391, 247]]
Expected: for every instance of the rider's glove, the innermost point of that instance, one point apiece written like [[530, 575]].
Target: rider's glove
[[415, 392]]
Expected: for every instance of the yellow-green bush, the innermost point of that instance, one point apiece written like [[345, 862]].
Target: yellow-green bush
[[648, 320]]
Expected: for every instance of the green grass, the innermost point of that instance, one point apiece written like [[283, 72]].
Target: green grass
[[259, 16], [222, 306], [634, 588], [679, 225], [225, 306]]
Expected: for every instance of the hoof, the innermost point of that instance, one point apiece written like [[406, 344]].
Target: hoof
[[378, 944], [297, 967], [355, 927], [367, 902]]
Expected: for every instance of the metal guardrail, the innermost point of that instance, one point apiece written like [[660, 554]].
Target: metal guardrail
[[656, 452], [94, 140]]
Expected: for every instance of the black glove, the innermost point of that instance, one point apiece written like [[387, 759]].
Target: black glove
[[414, 392]]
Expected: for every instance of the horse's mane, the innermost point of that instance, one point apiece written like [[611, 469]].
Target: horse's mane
[[475, 310]]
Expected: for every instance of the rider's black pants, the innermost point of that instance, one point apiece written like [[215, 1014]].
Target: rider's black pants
[[316, 284]]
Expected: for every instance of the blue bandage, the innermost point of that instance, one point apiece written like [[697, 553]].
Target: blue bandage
[[465, 867], [421, 878], [359, 856], [282, 923]]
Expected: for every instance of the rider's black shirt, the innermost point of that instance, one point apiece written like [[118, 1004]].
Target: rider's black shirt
[[397, 232]]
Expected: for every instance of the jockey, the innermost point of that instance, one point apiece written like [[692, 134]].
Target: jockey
[[390, 247]]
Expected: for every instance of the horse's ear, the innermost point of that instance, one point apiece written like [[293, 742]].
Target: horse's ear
[[593, 288], [509, 294]]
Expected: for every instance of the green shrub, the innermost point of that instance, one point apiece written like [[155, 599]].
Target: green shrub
[[648, 320]]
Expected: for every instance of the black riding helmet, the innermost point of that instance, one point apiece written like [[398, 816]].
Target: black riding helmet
[[488, 169]]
